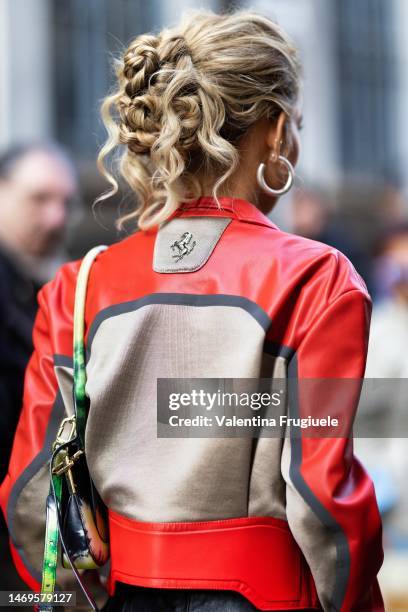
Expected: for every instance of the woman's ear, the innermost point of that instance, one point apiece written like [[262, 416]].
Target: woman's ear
[[275, 137]]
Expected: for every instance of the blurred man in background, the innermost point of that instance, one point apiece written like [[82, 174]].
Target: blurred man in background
[[37, 184]]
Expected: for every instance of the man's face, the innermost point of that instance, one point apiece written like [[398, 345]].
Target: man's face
[[34, 202]]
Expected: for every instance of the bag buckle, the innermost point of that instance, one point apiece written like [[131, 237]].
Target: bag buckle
[[66, 461], [60, 439]]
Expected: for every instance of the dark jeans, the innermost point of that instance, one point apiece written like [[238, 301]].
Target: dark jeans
[[129, 598]]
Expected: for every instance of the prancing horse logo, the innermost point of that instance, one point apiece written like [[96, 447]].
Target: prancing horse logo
[[183, 246]]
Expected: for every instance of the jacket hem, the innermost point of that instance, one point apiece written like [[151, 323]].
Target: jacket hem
[[255, 556]]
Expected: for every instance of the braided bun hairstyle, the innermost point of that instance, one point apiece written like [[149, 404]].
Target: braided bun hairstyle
[[184, 99]]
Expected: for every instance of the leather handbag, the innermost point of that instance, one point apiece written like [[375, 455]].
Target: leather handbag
[[76, 518]]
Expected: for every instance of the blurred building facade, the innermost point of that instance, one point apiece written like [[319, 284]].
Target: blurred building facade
[[54, 70], [355, 60], [56, 66]]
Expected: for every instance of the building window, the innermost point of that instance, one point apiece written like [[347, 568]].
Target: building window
[[85, 36]]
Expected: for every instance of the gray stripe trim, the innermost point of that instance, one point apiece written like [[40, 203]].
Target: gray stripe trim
[[184, 299], [278, 350], [342, 547], [63, 361], [57, 413]]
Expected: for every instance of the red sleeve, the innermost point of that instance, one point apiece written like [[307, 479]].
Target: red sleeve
[[331, 503]]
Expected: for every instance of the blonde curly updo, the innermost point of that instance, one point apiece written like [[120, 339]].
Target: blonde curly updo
[[184, 99]]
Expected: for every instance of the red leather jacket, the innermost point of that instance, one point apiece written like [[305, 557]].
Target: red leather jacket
[[289, 523]]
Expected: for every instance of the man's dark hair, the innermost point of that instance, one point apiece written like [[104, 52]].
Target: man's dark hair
[[10, 157]]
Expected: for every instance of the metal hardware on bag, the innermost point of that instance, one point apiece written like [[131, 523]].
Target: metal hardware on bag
[[66, 465], [59, 439], [66, 462]]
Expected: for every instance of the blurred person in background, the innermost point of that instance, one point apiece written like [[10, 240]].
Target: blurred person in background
[[313, 217], [391, 275], [387, 358], [37, 184]]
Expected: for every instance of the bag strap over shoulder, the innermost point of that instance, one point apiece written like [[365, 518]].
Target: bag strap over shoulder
[[79, 355], [77, 425]]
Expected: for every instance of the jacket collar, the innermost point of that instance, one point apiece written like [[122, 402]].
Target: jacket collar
[[229, 207]]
